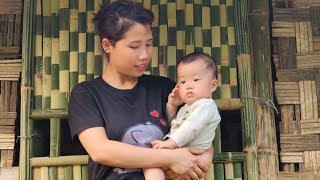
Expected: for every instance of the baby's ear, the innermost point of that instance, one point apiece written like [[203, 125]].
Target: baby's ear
[[214, 85]]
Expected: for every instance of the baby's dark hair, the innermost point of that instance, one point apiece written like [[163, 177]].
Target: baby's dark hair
[[211, 65], [115, 19]]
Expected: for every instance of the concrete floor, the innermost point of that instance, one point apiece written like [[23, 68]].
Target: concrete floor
[[9, 173]]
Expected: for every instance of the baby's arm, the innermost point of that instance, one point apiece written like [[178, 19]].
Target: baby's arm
[[173, 102], [167, 144]]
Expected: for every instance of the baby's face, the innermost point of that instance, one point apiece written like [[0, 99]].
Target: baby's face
[[195, 81]]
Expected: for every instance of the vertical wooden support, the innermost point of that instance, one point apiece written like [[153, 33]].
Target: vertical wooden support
[[267, 153], [245, 74], [27, 59]]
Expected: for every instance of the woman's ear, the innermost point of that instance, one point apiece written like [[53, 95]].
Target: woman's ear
[[105, 43], [214, 85]]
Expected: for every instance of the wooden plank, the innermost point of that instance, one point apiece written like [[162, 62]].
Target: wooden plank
[[287, 51], [9, 52], [310, 126], [298, 176], [8, 115], [291, 157], [316, 43], [289, 75], [7, 122], [10, 61], [290, 14], [6, 146], [287, 92], [7, 129], [11, 7], [299, 143], [315, 14], [305, 3], [308, 60]]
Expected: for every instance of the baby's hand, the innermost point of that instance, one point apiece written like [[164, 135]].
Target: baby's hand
[[174, 97], [168, 144]]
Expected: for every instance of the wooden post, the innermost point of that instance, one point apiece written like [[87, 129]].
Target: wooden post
[[245, 73], [267, 154]]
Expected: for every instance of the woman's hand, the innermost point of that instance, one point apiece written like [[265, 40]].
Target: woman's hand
[[204, 161], [186, 164]]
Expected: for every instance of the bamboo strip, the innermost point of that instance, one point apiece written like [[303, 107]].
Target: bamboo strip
[[98, 64], [155, 32], [68, 172], [44, 175], [163, 38], [237, 170], [84, 172], [61, 173], [189, 24], [64, 53], [59, 161], [47, 54], [90, 40], [228, 169], [77, 172], [36, 173], [55, 46], [82, 41], [38, 72], [54, 144], [172, 47], [180, 37], [46, 114], [74, 46]]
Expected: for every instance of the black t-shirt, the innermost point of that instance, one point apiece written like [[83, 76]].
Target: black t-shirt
[[135, 116]]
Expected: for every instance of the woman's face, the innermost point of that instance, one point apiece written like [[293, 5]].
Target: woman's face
[[131, 55]]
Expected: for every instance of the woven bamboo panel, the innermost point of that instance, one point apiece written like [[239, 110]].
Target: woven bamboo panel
[[287, 92], [297, 63]]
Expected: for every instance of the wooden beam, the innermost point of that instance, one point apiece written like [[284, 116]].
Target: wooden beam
[[11, 6]]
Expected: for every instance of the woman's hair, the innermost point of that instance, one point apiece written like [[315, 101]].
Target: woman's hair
[[211, 65], [115, 19]]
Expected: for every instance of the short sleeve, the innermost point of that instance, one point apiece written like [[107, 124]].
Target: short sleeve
[[83, 111]]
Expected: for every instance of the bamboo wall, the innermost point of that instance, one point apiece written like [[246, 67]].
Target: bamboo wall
[[67, 51], [296, 45], [10, 41]]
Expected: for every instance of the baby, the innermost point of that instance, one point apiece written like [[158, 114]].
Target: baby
[[196, 121]]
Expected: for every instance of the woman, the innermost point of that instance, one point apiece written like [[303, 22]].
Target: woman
[[123, 109]]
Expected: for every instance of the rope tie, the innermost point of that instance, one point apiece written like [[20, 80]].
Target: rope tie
[[264, 101]]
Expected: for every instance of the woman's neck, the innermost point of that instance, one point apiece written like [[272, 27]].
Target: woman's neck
[[119, 81]]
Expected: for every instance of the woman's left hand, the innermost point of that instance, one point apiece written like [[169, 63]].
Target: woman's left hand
[[204, 161]]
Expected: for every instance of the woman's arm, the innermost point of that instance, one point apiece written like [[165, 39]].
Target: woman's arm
[[114, 153]]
